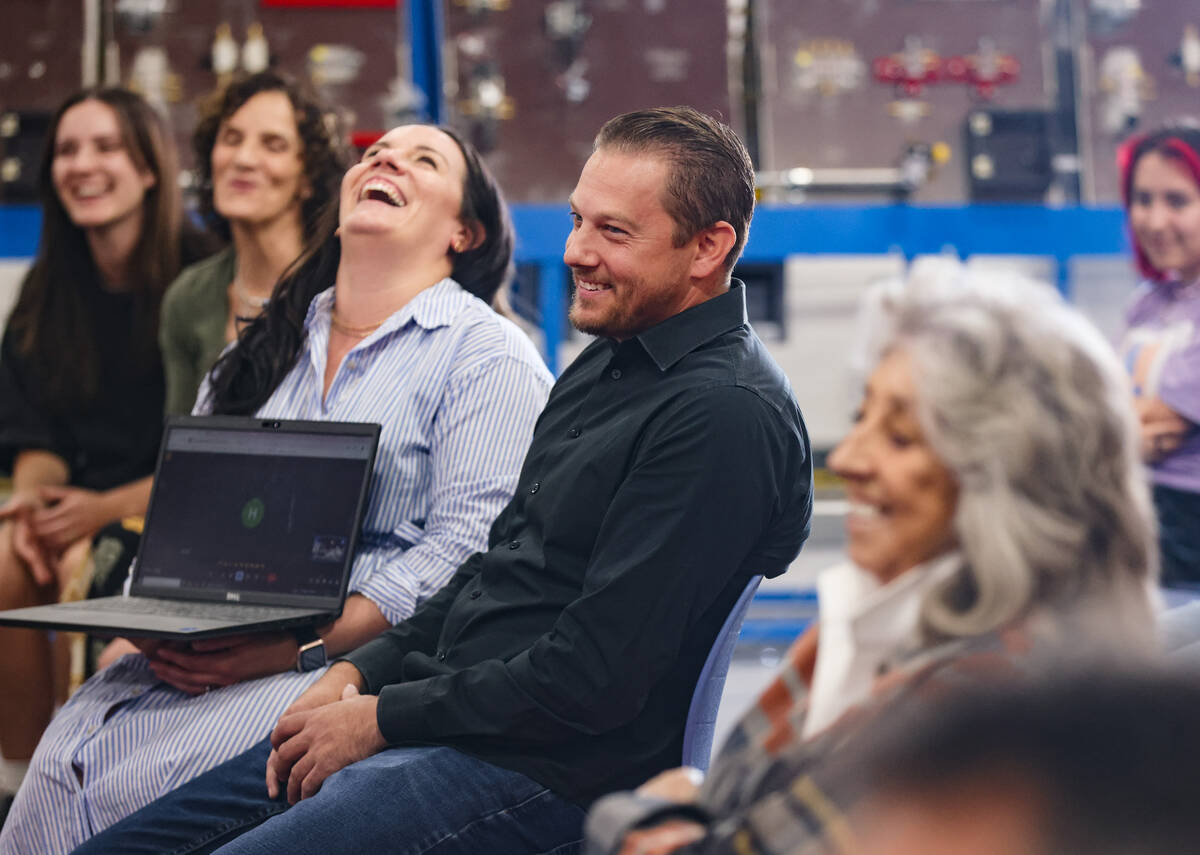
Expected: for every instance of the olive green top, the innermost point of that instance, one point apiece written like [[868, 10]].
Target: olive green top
[[191, 334]]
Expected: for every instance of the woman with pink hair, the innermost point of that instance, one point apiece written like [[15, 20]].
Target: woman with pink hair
[[1160, 181]]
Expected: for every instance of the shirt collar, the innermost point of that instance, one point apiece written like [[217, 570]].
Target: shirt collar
[[436, 306], [677, 336]]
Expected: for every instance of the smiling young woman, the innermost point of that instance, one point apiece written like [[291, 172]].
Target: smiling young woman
[[1161, 344], [81, 383]]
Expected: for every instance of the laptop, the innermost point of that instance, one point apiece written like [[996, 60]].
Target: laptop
[[251, 527]]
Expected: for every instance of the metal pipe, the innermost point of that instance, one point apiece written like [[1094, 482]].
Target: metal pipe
[[884, 179], [90, 54]]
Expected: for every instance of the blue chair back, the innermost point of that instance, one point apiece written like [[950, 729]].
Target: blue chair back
[[702, 714]]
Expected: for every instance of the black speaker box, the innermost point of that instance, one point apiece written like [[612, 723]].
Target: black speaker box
[[1008, 155], [22, 134]]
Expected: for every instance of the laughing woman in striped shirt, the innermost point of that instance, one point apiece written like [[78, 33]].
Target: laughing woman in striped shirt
[[405, 337]]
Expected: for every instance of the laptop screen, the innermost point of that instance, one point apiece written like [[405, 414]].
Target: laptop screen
[[260, 511]]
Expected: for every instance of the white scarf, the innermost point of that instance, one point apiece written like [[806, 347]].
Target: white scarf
[[863, 627]]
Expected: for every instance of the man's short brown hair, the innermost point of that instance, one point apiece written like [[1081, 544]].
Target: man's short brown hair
[[711, 178]]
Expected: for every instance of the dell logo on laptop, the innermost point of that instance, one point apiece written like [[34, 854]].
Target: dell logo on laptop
[[232, 596]]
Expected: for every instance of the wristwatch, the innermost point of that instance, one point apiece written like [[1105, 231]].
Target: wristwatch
[[311, 654]]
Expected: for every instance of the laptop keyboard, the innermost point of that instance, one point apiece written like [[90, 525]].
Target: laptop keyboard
[[153, 606]]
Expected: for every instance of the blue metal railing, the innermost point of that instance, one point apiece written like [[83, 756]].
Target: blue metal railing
[[778, 232]]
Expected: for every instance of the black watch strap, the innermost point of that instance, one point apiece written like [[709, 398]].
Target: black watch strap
[[304, 634], [310, 650]]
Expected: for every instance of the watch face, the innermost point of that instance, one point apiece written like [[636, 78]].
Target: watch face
[[312, 658]]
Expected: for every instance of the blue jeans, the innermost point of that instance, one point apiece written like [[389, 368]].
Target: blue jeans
[[1178, 535], [403, 801]]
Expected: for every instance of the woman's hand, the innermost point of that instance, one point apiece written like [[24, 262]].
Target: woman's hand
[[42, 564], [680, 786], [661, 839], [674, 785], [1163, 429], [199, 666], [69, 514], [21, 503]]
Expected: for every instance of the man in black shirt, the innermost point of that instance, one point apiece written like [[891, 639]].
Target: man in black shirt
[[670, 466]]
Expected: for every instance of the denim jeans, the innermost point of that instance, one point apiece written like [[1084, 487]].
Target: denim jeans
[[1178, 535], [403, 801]]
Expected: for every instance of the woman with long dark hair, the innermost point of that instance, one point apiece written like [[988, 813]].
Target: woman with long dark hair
[[81, 381], [404, 337], [1160, 180]]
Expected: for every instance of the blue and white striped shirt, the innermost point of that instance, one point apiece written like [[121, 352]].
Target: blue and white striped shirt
[[456, 390]]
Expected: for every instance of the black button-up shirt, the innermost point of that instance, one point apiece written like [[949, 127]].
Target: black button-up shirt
[[664, 472]]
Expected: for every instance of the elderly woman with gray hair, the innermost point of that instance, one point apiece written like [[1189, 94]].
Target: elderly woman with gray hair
[[998, 522]]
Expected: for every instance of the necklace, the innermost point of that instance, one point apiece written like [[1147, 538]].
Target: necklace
[[249, 299], [342, 327]]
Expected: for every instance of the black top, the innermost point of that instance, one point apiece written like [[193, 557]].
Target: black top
[[664, 472], [110, 442]]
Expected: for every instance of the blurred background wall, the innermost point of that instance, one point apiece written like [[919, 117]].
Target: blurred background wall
[[881, 128]]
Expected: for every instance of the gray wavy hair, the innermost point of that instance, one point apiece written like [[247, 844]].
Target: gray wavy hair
[[1027, 405]]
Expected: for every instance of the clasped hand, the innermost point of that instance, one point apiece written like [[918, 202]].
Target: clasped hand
[[46, 521], [196, 667], [317, 737]]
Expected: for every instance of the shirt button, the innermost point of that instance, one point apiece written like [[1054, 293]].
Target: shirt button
[[537, 485], [441, 656], [514, 544], [573, 433], [475, 595], [615, 374]]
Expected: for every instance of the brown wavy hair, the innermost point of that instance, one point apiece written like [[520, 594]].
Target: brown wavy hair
[[325, 151]]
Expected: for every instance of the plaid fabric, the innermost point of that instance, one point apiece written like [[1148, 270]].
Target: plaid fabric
[[770, 792]]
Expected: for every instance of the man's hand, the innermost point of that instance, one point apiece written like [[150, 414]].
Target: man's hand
[[674, 785], [329, 689], [661, 839], [199, 666], [311, 745], [70, 514], [342, 680]]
